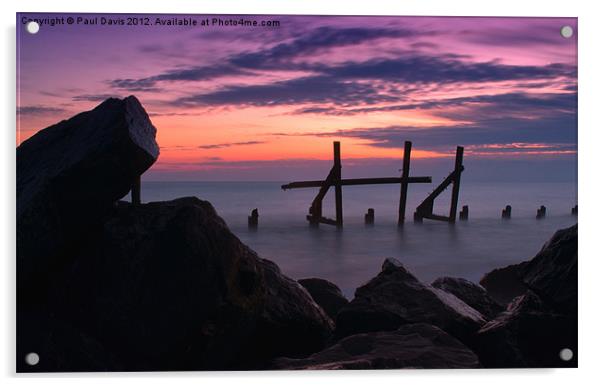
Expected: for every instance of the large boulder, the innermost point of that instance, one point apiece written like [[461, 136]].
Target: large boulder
[[417, 346], [470, 293], [326, 294], [395, 297], [505, 284], [552, 273], [166, 286], [527, 334], [69, 174]]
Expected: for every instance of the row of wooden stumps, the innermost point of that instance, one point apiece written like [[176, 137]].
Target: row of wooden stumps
[[541, 212], [253, 219], [424, 210], [463, 215]]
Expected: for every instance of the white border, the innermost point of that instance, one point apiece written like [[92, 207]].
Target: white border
[[590, 186]]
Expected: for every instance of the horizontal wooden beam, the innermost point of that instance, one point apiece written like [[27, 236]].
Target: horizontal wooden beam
[[323, 220], [434, 217], [358, 181]]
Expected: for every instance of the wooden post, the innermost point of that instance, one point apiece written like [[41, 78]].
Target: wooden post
[[574, 210], [541, 212], [456, 189], [254, 218], [464, 213], [404, 182], [338, 191], [507, 212], [417, 217], [136, 191], [369, 217]]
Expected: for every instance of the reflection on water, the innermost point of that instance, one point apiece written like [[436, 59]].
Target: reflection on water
[[352, 255]]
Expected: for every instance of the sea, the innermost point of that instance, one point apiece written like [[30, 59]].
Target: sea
[[351, 256]]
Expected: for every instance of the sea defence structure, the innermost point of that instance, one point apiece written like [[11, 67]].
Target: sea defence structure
[[334, 179], [425, 209]]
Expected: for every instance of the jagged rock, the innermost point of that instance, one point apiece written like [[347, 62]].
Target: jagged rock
[[167, 286], [552, 273], [470, 293], [527, 334], [68, 174], [419, 346], [395, 297], [505, 284], [326, 294]]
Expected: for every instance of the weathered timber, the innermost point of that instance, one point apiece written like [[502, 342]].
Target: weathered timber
[[359, 181], [315, 216], [338, 191], [369, 217], [507, 212], [253, 219], [315, 210], [541, 212], [425, 209], [405, 175], [464, 213], [453, 209], [136, 187]]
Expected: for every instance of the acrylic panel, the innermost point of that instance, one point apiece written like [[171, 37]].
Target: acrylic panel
[[289, 192]]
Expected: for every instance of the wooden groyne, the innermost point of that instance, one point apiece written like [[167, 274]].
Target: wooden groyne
[[424, 210]]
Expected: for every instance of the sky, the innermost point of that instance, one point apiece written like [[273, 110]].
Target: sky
[[266, 102]]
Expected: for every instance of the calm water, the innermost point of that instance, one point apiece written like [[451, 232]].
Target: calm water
[[351, 256]]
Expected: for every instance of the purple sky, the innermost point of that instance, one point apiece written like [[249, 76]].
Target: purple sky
[[234, 102]]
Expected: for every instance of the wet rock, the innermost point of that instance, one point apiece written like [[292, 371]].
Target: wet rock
[[167, 286], [395, 297], [527, 334], [470, 293], [504, 284], [418, 346], [326, 294], [69, 174], [552, 273]]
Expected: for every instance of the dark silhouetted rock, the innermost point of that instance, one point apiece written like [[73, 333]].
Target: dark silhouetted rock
[[326, 294], [395, 297], [552, 273], [527, 334], [470, 293], [504, 284], [68, 175], [419, 346], [167, 286]]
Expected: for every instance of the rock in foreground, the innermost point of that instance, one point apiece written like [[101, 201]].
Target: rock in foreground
[[543, 321], [166, 286], [395, 297], [470, 293], [418, 346], [527, 334], [69, 174], [504, 284], [326, 294], [552, 273]]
